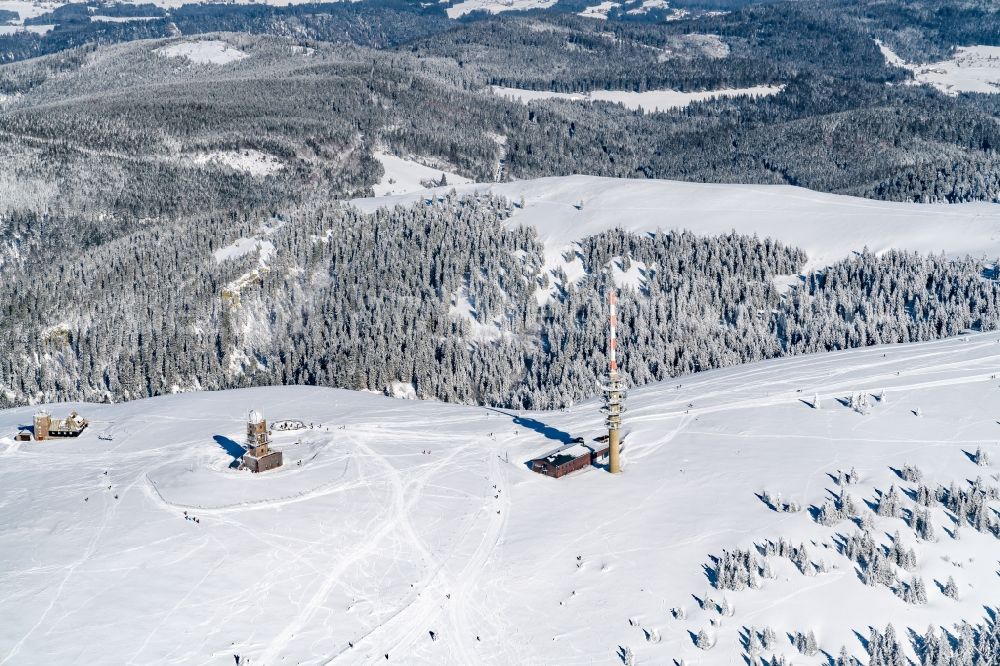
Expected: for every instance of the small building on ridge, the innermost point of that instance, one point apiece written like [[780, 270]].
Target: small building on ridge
[[259, 456], [568, 458], [46, 427]]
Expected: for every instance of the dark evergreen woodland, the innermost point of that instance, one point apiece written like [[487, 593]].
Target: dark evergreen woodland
[[361, 301]]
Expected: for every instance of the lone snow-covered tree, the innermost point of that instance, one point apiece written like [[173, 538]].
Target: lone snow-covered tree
[[753, 643], [950, 590], [769, 639], [888, 504], [725, 608], [845, 659], [806, 643], [922, 525], [702, 640]]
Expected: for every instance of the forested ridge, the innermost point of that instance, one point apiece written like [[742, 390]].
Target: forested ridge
[[442, 295], [114, 172]]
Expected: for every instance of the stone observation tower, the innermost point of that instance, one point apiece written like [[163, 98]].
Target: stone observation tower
[[46, 427], [614, 390], [259, 456], [42, 423]]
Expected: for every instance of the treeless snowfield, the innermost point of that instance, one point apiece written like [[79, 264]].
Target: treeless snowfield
[[14, 29], [599, 11], [203, 52], [394, 519], [404, 176], [495, 6], [829, 227], [974, 69], [650, 101], [250, 161], [28, 9], [122, 19]]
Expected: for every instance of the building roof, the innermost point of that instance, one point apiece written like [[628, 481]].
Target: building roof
[[255, 417], [565, 454]]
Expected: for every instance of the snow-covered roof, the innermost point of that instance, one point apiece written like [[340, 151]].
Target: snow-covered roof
[[566, 453], [255, 417]]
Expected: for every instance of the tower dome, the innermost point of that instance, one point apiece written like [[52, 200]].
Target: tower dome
[[254, 417]]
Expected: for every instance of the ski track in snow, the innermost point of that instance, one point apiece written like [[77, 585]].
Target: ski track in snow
[[374, 542]]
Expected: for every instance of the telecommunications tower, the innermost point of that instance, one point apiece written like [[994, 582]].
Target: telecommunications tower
[[614, 390]]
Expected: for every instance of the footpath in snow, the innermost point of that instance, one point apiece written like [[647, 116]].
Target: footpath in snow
[[392, 519]]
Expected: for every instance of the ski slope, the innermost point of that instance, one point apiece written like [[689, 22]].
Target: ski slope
[[829, 227], [392, 519]]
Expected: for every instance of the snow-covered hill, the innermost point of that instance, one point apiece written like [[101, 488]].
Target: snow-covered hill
[[829, 227], [394, 519]]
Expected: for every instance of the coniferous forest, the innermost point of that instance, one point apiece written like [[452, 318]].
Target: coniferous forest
[[365, 300], [200, 197], [103, 178]]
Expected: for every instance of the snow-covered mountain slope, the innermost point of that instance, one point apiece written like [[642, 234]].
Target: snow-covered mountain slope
[[394, 519], [829, 227]]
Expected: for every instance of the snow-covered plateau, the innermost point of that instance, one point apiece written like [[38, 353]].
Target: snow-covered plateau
[[829, 227], [415, 529]]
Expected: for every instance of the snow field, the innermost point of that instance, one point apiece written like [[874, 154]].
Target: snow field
[[599, 11], [404, 176], [650, 101], [973, 69], [828, 227], [405, 517], [249, 161], [460, 9], [14, 29], [28, 8], [202, 52]]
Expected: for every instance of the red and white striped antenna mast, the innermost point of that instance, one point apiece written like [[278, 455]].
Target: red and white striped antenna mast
[[614, 390]]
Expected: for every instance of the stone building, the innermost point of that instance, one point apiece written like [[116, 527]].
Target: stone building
[[259, 456]]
